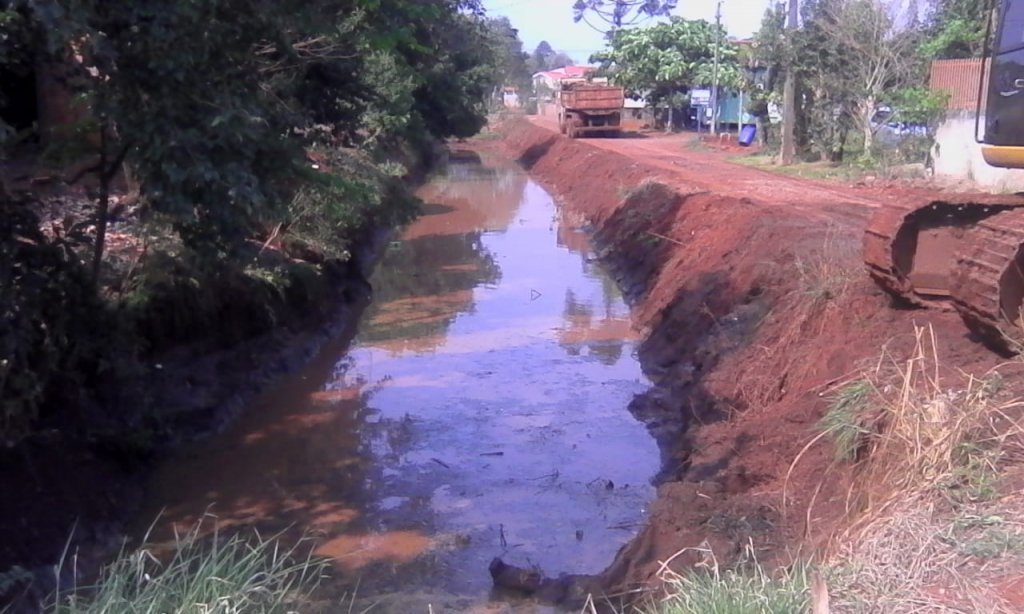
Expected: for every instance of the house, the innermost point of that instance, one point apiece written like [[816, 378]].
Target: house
[[546, 83], [637, 114], [732, 104]]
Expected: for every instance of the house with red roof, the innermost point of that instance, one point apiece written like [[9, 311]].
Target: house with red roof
[[546, 83]]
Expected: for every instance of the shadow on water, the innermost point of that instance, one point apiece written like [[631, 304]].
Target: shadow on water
[[479, 411]]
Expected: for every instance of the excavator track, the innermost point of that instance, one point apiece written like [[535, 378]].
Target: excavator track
[[988, 281], [911, 250], [879, 240]]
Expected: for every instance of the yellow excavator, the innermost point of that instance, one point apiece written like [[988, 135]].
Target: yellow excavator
[[969, 254]]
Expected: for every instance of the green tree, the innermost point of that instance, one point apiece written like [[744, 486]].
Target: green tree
[[851, 58], [956, 29], [215, 105], [544, 57], [212, 100], [511, 62], [666, 60], [877, 56]]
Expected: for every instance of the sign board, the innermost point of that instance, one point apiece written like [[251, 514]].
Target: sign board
[[700, 98]]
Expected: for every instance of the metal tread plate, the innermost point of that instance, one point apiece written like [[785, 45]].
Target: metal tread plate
[[990, 248]]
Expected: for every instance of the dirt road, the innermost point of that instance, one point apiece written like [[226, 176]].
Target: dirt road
[[688, 167]]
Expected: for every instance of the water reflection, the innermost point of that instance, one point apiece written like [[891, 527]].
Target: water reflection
[[480, 411]]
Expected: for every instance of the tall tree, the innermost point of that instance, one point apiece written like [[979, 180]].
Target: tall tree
[[789, 102], [610, 15], [212, 100], [511, 62], [850, 58], [879, 57], [544, 57]]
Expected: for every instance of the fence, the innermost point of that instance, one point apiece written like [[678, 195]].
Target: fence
[[960, 78]]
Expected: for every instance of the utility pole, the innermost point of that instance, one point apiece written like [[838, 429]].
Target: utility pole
[[714, 77], [789, 95]]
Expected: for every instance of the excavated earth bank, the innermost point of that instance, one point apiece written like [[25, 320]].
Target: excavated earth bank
[[753, 316]]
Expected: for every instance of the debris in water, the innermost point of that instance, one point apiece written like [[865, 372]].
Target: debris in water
[[441, 462], [569, 590], [552, 476]]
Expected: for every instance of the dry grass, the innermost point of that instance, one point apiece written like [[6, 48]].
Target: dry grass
[[648, 189], [829, 273], [931, 531], [823, 278]]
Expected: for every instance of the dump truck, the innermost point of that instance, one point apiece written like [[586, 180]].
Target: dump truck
[[967, 252], [588, 107]]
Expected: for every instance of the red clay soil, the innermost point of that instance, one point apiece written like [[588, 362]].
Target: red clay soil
[[756, 306]]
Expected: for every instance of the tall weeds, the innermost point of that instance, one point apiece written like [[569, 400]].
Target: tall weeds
[[929, 530], [202, 575]]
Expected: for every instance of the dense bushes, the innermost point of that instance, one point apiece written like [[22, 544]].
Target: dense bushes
[[247, 146], [53, 329]]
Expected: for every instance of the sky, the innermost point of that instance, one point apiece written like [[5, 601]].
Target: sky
[[551, 20]]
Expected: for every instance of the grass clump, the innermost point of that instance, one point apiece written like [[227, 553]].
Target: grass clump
[[211, 575], [735, 592], [647, 190], [746, 589], [847, 420], [829, 272]]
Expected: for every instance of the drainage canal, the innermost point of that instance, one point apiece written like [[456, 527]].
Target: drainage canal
[[479, 411]]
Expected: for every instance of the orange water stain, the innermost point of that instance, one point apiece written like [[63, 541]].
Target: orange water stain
[[356, 551], [334, 396]]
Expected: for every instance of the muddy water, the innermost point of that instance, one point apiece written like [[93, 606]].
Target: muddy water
[[479, 411]]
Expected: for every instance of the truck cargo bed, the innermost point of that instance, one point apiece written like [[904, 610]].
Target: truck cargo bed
[[593, 97]]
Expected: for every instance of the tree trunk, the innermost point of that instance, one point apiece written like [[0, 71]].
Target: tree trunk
[[788, 153], [102, 209], [669, 125], [867, 113], [869, 137]]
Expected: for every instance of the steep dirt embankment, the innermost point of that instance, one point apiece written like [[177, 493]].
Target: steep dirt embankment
[[753, 316]]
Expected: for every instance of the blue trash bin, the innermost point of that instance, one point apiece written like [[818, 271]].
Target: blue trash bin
[[747, 135]]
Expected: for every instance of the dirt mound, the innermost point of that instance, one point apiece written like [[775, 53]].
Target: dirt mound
[[755, 312]]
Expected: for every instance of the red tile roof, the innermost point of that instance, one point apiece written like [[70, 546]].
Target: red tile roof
[[568, 72]]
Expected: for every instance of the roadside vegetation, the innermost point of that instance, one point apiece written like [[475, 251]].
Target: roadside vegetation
[[201, 573], [862, 70], [178, 179], [199, 171]]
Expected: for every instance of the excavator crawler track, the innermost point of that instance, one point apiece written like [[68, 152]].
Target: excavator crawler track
[[910, 249], [988, 282], [879, 238]]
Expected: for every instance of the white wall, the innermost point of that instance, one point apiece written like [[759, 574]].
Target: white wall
[[958, 157]]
